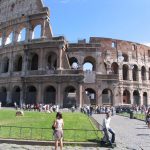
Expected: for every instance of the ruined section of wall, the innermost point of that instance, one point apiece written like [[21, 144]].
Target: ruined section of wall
[[11, 9]]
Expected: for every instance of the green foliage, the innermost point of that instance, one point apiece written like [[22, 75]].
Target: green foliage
[[37, 126]]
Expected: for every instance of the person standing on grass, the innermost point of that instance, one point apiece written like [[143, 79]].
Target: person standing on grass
[[58, 132]]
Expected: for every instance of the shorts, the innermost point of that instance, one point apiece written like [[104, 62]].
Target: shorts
[[58, 134]]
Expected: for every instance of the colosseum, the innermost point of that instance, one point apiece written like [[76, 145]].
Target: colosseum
[[37, 67]]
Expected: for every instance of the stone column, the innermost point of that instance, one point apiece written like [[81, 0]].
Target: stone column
[[29, 32], [3, 38], [120, 72], [130, 72], [139, 75], [80, 96], [25, 62], [140, 97], [10, 69], [99, 97], [41, 60], [43, 28], [59, 98], [131, 96], [39, 93], [60, 57], [9, 99], [15, 35], [21, 98]]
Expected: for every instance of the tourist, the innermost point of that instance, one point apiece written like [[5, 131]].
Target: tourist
[[148, 117], [107, 128], [58, 131]]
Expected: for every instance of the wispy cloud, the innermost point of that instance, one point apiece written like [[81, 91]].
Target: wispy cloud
[[146, 43]]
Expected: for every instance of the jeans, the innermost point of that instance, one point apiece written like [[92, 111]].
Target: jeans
[[106, 135]]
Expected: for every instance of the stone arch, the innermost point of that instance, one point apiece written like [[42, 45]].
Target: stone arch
[[21, 35], [136, 97], [69, 97], [50, 95], [51, 61], [107, 97], [16, 95], [3, 96], [114, 68], [36, 34], [126, 97], [5, 65], [135, 73], [125, 72], [9, 38], [18, 63], [143, 73], [74, 62], [125, 56], [90, 96], [33, 62], [89, 63], [145, 101], [31, 95]]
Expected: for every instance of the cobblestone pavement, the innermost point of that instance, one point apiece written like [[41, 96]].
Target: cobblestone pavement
[[28, 147], [131, 134]]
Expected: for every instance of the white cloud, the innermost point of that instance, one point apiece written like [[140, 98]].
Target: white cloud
[[146, 43]]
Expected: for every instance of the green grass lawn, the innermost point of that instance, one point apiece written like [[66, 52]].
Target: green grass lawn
[[37, 126]]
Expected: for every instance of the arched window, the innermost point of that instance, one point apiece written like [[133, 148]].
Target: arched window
[[36, 32], [0, 41], [22, 35], [34, 62], [3, 96], [69, 97], [9, 39], [107, 97], [5, 65], [143, 73], [114, 68], [16, 95], [73, 63], [145, 102], [18, 63], [31, 95], [136, 98], [52, 61], [50, 95], [90, 98], [126, 97], [89, 64], [125, 57], [135, 73], [125, 72]]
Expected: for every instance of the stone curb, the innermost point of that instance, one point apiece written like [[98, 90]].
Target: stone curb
[[47, 143]]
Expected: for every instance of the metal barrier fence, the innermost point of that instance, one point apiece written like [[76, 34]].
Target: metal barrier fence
[[46, 134]]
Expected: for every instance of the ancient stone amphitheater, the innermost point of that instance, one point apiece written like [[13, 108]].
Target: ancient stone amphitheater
[[36, 67]]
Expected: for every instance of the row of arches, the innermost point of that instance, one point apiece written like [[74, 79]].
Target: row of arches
[[20, 35], [33, 62]]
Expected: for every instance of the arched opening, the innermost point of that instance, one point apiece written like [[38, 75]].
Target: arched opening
[[18, 64], [69, 97], [5, 65], [36, 32], [136, 98], [107, 97], [143, 73], [9, 39], [73, 63], [89, 64], [3, 96], [52, 61], [22, 35], [145, 102], [34, 62], [50, 95], [126, 97], [16, 95], [125, 57], [114, 68], [149, 73], [125, 72], [90, 96], [135, 73], [0, 41], [31, 95]]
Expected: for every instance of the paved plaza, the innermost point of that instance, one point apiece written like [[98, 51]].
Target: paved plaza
[[131, 134]]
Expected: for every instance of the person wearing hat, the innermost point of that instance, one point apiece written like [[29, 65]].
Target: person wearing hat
[[107, 129]]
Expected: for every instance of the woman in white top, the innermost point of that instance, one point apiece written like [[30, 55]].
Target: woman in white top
[[58, 132]]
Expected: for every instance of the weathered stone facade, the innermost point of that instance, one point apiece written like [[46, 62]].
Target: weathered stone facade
[[48, 69]]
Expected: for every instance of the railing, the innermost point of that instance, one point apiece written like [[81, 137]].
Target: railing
[[46, 134]]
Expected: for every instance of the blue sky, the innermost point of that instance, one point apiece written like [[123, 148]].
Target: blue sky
[[120, 19]]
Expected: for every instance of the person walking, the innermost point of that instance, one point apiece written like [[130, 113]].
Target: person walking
[[58, 131], [107, 128]]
